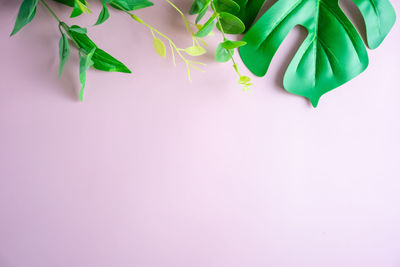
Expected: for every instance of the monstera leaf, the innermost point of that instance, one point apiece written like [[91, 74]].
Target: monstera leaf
[[249, 10], [332, 53]]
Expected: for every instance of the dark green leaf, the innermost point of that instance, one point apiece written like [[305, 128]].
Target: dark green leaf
[[81, 39], [102, 60], [66, 2], [198, 6], [130, 5], [78, 29], [77, 11], [207, 27], [201, 14], [105, 62], [104, 14], [64, 52], [249, 10], [26, 14]]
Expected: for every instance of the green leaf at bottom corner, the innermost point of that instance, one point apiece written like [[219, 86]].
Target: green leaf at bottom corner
[[26, 14]]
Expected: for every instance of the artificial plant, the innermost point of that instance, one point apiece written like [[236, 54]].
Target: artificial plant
[[90, 54], [333, 52]]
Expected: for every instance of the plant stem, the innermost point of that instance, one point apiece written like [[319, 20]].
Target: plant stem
[[50, 10]]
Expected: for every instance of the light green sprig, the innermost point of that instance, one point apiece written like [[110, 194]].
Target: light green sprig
[[160, 47]]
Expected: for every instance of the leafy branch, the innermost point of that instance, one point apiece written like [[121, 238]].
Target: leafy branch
[[226, 22], [161, 49]]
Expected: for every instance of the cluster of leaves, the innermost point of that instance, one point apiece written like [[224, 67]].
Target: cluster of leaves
[[90, 54], [332, 54], [226, 18]]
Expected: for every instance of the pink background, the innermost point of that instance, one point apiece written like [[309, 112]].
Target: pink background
[[154, 171]]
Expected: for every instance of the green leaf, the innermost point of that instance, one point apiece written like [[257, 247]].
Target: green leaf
[[228, 6], [104, 14], [26, 14], [70, 3], [207, 27], [227, 44], [105, 62], [223, 54], [230, 23], [159, 46], [201, 15], [64, 52], [81, 39], [80, 7], [85, 63], [130, 5], [195, 51], [333, 52], [198, 6], [379, 17], [102, 60], [249, 10], [78, 29]]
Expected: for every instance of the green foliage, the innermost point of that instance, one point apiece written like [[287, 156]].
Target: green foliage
[[249, 10], [232, 44], [104, 14], [230, 24], [85, 63], [228, 6], [207, 27], [26, 14], [194, 50], [225, 13], [64, 51], [223, 54], [130, 5], [333, 52], [101, 60], [199, 6]]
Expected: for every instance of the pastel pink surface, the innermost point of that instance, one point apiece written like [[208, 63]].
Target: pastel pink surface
[[154, 171]]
